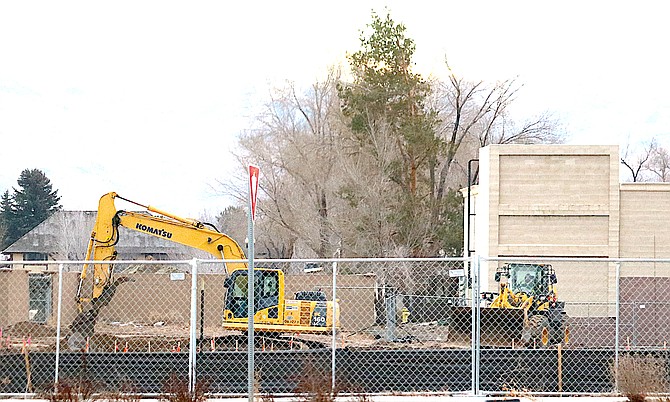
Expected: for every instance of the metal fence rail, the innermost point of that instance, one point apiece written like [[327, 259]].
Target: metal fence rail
[[405, 325]]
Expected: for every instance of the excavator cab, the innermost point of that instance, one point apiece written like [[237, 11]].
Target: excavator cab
[[266, 293]]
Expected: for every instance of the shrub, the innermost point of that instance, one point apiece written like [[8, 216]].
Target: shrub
[[639, 376]]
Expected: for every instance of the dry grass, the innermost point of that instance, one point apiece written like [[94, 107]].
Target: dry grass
[[80, 390], [176, 389], [639, 376], [315, 385], [127, 393]]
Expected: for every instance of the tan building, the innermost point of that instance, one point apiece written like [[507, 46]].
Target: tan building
[[567, 201]]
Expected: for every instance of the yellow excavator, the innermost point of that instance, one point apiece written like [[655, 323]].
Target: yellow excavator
[[310, 312], [524, 312]]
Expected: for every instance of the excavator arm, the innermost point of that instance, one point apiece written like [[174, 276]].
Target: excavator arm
[[189, 232], [101, 250]]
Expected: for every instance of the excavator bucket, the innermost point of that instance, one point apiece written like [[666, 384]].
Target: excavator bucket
[[499, 327]]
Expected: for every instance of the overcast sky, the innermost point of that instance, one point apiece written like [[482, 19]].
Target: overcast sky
[[146, 98]]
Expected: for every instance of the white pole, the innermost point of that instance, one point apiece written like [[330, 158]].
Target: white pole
[[58, 324], [475, 323], [192, 335], [250, 304], [334, 319]]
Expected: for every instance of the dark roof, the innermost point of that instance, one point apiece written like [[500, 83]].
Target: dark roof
[[66, 234]]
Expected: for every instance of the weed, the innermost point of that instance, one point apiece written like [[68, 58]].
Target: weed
[[314, 385], [81, 390], [360, 398], [176, 389], [127, 392], [267, 397], [262, 396], [639, 376], [515, 392]]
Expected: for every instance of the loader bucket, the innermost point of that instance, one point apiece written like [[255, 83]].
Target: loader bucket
[[499, 327]]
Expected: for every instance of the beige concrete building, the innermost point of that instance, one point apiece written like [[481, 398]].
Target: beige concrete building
[[568, 201]]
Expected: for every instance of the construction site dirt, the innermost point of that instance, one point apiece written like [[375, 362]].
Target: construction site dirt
[[164, 337]]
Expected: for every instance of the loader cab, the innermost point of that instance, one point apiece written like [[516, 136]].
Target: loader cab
[[532, 279]]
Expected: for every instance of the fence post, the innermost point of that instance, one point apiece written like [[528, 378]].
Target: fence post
[[478, 338], [192, 337], [334, 319], [474, 327], [58, 325], [617, 322]]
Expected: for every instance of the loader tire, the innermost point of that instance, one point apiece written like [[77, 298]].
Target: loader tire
[[532, 335]]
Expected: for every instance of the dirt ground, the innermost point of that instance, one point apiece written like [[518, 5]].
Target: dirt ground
[[160, 337]]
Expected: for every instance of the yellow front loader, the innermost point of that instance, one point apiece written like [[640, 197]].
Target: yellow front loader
[[524, 312]]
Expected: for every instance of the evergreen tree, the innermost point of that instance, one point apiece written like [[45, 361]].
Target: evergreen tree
[[31, 204], [7, 217], [386, 104]]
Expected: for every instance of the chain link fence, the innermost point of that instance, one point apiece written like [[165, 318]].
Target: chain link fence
[[466, 326]]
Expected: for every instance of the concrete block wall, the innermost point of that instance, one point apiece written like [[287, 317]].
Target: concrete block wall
[[551, 201]]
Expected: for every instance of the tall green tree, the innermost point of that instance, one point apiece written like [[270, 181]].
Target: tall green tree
[[387, 99], [33, 202], [385, 94]]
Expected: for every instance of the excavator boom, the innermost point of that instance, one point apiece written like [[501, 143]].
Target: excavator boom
[[189, 232]]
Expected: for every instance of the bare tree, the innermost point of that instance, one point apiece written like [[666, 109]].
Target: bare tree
[[474, 112], [637, 160], [233, 222], [72, 231], [659, 164], [295, 147]]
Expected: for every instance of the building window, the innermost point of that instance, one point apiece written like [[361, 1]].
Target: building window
[[34, 256], [39, 297]]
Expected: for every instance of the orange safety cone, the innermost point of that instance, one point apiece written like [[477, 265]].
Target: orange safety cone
[[179, 346], [125, 349], [87, 344], [212, 345], [116, 346]]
